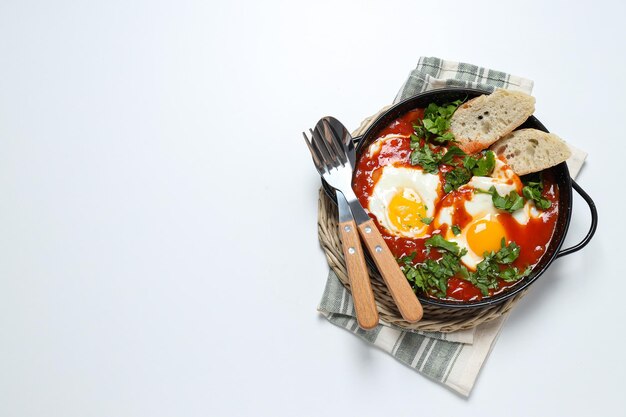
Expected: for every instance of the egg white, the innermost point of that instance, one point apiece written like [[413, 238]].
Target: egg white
[[376, 146], [504, 179], [480, 207], [413, 183]]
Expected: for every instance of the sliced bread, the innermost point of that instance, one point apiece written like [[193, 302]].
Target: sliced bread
[[531, 150], [485, 119]]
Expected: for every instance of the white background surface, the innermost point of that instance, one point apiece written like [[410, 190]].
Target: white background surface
[[158, 246]]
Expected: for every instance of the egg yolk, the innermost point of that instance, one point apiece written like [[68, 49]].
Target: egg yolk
[[485, 235], [406, 211]]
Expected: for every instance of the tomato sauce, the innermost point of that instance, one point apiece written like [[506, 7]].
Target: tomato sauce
[[395, 149]]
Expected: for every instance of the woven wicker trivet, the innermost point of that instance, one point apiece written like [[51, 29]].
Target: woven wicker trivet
[[435, 318]]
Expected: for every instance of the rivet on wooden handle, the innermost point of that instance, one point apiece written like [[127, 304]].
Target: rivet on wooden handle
[[362, 294], [400, 289]]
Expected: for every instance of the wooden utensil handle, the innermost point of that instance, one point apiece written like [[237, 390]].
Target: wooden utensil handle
[[362, 294], [398, 286]]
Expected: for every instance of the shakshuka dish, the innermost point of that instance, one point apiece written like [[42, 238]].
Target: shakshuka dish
[[462, 227]]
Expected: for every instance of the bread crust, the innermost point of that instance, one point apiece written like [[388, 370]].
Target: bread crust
[[531, 150], [483, 120]]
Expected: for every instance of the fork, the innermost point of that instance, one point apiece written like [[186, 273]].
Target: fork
[[331, 158], [362, 294]]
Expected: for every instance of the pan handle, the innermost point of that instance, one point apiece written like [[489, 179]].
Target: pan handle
[[594, 222]]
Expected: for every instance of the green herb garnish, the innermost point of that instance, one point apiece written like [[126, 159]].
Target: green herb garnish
[[438, 241], [489, 270], [432, 276], [510, 202], [455, 178], [482, 166], [513, 274], [424, 156], [456, 230], [507, 254], [435, 124], [452, 152], [532, 191], [429, 160], [427, 220]]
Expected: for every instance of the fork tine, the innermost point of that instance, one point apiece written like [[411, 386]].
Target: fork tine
[[332, 140], [344, 137], [326, 163], [314, 154], [331, 136], [330, 155], [318, 143]]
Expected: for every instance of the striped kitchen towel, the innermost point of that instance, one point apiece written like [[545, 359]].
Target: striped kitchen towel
[[452, 359]]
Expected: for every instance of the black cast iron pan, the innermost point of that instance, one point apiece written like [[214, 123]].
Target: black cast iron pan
[[560, 173]]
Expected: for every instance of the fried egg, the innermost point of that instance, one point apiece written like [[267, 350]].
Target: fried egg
[[483, 233], [485, 229], [403, 198]]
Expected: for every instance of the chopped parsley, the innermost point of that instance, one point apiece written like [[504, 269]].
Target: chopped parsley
[[489, 270], [438, 241], [452, 152], [455, 178], [456, 229], [435, 124], [433, 128], [432, 276], [481, 166], [510, 202], [506, 254], [423, 155], [532, 191]]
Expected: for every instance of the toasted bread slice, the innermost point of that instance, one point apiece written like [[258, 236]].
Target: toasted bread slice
[[485, 119], [531, 150]]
